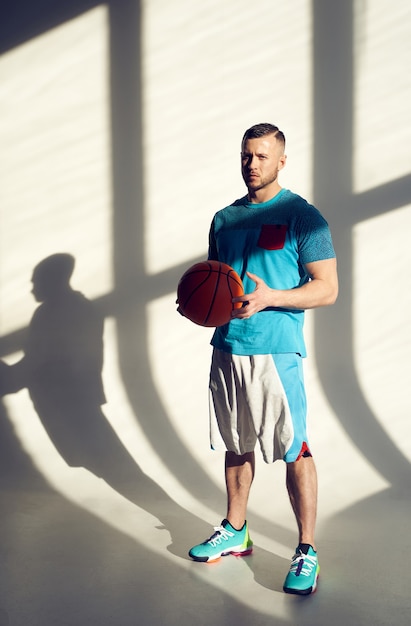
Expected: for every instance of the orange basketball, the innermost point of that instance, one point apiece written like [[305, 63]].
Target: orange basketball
[[205, 293]]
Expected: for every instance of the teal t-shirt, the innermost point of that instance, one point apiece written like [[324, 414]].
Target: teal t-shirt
[[273, 240]]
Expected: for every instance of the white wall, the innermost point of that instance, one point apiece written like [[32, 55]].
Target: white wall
[[209, 70]]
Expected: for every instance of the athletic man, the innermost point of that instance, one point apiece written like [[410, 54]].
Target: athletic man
[[281, 247]]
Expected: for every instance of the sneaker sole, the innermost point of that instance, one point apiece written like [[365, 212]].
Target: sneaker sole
[[217, 557], [303, 592]]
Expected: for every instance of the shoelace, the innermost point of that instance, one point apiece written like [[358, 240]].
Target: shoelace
[[303, 564], [220, 533]]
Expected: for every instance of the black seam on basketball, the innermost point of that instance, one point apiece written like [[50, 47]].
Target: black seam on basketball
[[197, 287], [233, 276], [228, 278], [214, 294]]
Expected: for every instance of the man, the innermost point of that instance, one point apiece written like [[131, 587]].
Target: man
[[281, 247]]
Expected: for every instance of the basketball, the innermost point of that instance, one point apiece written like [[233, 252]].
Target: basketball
[[205, 292]]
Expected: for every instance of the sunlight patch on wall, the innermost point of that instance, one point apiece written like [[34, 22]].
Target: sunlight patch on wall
[[382, 56], [382, 335], [210, 71], [181, 374], [55, 194]]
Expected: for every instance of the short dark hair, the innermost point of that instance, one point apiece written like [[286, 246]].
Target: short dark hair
[[261, 130]]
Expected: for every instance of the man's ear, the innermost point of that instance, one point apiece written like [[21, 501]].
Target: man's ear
[[282, 161]]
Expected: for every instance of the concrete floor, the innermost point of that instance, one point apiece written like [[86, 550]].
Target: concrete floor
[[104, 559]]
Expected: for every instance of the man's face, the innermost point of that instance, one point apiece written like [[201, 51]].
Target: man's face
[[261, 159]]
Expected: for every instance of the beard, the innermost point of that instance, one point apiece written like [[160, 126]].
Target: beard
[[260, 181]]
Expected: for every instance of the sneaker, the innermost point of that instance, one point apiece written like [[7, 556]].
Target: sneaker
[[303, 574], [225, 540]]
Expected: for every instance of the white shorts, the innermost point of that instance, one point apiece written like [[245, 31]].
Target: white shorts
[[260, 397]]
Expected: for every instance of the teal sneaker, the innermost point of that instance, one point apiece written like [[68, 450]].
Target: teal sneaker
[[304, 571], [225, 540]]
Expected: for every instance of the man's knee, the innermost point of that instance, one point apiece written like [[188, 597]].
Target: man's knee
[[236, 460]]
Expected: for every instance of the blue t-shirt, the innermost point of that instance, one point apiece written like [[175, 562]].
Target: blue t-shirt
[[273, 240]]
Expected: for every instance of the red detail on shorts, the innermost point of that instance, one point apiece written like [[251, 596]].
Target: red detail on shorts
[[305, 451]]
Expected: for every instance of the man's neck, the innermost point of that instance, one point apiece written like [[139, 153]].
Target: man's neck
[[259, 196]]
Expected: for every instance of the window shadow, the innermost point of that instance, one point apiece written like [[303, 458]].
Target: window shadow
[[333, 64]]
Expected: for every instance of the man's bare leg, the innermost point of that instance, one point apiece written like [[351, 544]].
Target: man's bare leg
[[239, 475], [302, 490]]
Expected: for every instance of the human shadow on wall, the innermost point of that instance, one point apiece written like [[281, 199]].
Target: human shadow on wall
[[62, 370]]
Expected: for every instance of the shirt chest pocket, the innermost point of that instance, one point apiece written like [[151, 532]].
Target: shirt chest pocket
[[272, 236]]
